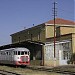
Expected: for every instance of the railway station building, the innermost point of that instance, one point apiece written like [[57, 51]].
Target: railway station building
[[39, 40]]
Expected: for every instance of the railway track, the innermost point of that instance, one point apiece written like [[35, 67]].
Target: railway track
[[3, 72], [33, 69], [52, 70]]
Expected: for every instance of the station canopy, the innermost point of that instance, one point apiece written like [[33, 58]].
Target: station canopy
[[21, 44]]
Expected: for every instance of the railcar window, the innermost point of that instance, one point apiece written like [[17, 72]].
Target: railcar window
[[15, 52], [9, 53], [6, 53], [18, 52], [1, 53], [22, 53], [28, 53], [25, 52]]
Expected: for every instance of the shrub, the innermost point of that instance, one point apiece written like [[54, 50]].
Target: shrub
[[72, 59]]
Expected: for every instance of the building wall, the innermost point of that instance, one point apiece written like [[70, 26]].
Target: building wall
[[49, 55], [73, 43], [64, 37], [49, 31], [62, 53], [40, 33], [64, 30], [36, 33]]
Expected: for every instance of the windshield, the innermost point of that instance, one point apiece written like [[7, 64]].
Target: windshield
[[21, 52]]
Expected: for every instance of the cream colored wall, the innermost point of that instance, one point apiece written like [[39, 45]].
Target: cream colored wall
[[74, 30], [26, 34], [51, 63], [49, 31], [66, 30]]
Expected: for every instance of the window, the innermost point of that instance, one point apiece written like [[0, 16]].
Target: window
[[6, 53], [22, 53], [39, 36], [25, 38], [0, 53], [19, 39], [66, 55], [25, 52], [28, 53], [9, 53], [3, 53], [31, 37], [15, 52], [18, 52]]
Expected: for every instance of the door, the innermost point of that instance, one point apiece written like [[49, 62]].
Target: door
[[62, 58]]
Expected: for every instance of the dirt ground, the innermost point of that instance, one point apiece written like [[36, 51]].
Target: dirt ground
[[25, 71]]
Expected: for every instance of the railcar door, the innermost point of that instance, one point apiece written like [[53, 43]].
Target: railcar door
[[11, 56]]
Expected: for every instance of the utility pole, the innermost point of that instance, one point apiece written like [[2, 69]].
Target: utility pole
[[54, 15]]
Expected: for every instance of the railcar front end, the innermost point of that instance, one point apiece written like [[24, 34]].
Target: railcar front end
[[15, 56], [21, 57]]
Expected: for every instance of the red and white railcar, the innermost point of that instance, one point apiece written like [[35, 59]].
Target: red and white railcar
[[15, 56]]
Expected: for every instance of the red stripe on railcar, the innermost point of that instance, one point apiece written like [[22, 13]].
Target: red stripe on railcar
[[24, 60]]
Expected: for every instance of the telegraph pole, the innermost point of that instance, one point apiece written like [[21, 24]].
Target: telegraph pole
[[54, 15]]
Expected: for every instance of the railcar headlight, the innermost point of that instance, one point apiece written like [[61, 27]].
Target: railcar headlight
[[18, 57]]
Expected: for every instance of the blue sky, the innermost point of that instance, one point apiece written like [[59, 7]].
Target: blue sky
[[17, 14]]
